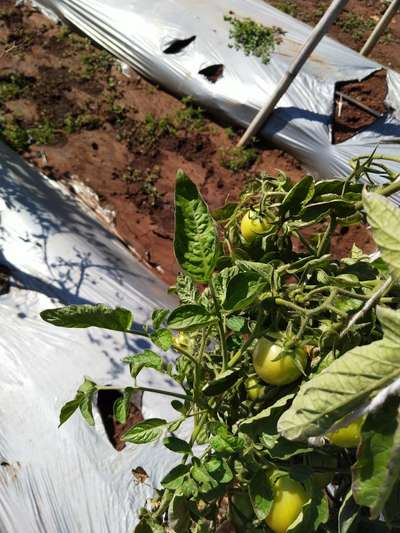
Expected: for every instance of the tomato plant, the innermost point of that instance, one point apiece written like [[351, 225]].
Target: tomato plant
[[322, 332]]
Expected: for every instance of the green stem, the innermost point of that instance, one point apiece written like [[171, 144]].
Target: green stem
[[221, 329], [237, 356], [186, 354], [156, 391], [327, 236], [305, 242], [384, 288]]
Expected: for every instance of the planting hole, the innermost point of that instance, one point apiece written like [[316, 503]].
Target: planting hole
[[349, 118], [177, 45], [213, 72], [115, 430]]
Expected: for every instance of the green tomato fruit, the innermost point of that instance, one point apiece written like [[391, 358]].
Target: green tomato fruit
[[183, 341], [251, 226], [347, 437], [289, 498], [279, 372], [255, 391]]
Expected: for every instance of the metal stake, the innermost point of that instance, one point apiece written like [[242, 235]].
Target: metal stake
[[307, 49], [380, 28]]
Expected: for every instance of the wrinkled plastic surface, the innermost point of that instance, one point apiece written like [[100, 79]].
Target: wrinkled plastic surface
[[139, 32], [71, 479]]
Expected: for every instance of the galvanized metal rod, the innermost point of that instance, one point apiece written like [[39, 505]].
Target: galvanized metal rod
[[307, 49], [359, 104], [380, 28]]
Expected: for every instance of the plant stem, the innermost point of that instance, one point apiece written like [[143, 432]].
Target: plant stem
[[368, 304], [327, 236], [198, 428], [186, 354], [149, 389], [221, 329], [237, 356]]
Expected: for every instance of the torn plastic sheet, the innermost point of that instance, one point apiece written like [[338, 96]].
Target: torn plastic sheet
[[69, 479], [172, 42]]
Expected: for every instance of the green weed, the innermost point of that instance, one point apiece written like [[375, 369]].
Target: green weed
[[238, 158], [83, 121], [147, 183], [356, 25], [288, 6], [253, 38], [12, 86], [191, 116]]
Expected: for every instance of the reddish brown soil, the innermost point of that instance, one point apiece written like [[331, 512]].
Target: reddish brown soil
[[350, 119], [124, 138]]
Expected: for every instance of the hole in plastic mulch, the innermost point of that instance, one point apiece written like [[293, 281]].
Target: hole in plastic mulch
[[177, 45], [213, 72], [5, 274], [350, 118], [115, 430]]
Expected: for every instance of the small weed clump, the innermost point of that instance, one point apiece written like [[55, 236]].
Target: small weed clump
[[83, 121], [238, 158], [191, 116], [99, 60], [158, 127], [13, 132], [253, 38], [356, 25], [12, 86], [289, 7], [147, 182]]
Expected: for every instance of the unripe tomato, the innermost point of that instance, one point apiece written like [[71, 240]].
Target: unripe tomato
[[347, 437], [279, 372], [251, 226], [255, 391], [182, 341], [289, 498]]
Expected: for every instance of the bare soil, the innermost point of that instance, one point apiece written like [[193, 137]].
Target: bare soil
[[68, 109]]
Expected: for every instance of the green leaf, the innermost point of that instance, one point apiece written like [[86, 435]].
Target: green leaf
[[265, 421], [121, 406], [346, 384], [384, 218], [178, 514], [162, 338], [298, 196], [349, 515], [236, 323], [265, 270], [158, 316], [145, 431], [378, 462], [278, 447], [226, 443], [83, 401], [242, 290], [220, 384], [224, 213], [177, 445], [69, 408], [85, 316], [186, 289], [261, 494], [190, 316], [314, 513], [86, 409], [317, 211], [196, 239], [176, 477], [146, 359]]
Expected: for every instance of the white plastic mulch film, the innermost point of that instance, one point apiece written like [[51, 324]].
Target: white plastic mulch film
[[67, 480], [172, 41]]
